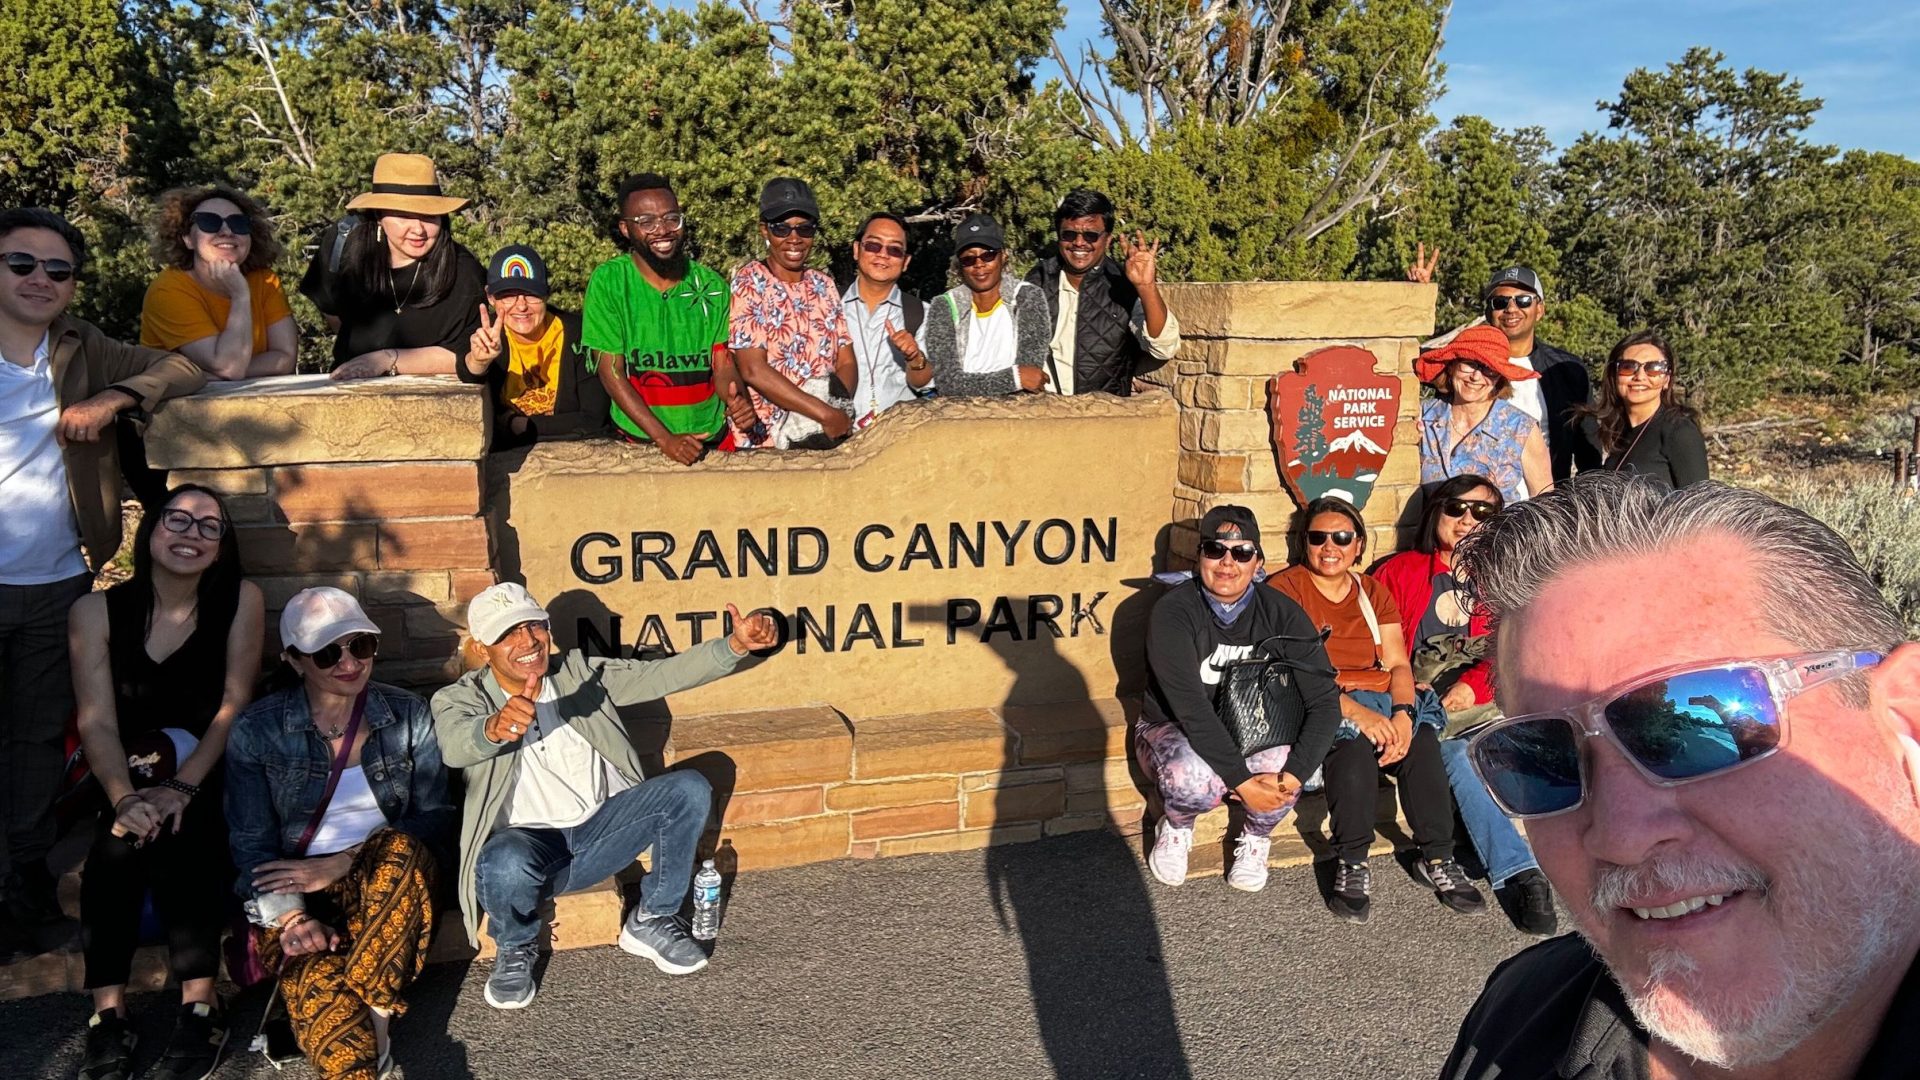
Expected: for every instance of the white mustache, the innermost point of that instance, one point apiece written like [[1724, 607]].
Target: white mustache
[[1696, 875]]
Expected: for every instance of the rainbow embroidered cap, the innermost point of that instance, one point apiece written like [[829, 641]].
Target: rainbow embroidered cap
[[517, 268]]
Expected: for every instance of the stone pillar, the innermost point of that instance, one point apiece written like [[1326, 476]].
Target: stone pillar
[[1235, 337], [371, 486]]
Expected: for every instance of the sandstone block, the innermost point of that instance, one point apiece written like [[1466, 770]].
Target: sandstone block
[[1213, 472], [770, 750], [1272, 509], [228, 482], [967, 740], [895, 821], [406, 587], [279, 590], [1303, 309], [580, 920], [1240, 429], [754, 807], [1026, 802], [1113, 774], [465, 584], [300, 549], [438, 627], [1071, 730], [54, 972], [1116, 801], [884, 793], [998, 778], [304, 419], [971, 840], [790, 843], [434, 544], [377, 492]]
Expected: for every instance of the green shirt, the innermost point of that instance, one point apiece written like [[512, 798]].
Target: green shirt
[[667, 340]]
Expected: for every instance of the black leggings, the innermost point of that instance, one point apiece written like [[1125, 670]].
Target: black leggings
[[1352, 780], [189, 875]]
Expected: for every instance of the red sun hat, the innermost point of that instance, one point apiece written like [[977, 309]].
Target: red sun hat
[[1484, 344]]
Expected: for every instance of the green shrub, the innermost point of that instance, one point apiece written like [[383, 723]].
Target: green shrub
[[1883, 526]]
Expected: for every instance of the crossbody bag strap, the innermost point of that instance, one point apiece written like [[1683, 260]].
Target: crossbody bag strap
[[333, 776], [1366, 611]]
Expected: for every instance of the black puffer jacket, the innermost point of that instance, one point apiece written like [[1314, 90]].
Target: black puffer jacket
[[1106, 354]]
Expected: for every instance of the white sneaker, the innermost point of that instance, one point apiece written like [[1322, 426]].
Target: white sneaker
[[1249, 873], [1169, 859]]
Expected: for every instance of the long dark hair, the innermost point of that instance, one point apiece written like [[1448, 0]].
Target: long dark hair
[[1609, 413], [218, 594], [1428, 541], [365, 264]]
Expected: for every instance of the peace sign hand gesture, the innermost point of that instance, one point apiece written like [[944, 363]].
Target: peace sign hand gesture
[[1424, 264], [1141, 261], [483, 347]]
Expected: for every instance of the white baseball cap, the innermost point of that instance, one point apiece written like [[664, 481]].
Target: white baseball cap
[[499, 608], [316, 618]]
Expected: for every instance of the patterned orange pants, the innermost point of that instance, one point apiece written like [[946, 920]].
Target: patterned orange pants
[[386, 907]]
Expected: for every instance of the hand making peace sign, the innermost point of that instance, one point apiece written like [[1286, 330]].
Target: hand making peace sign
[[484, 346]]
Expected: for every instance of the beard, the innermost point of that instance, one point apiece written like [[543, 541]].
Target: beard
[[673, 266], [1831, 948]]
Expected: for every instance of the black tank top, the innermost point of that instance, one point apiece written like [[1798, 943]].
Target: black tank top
[[182, 691]]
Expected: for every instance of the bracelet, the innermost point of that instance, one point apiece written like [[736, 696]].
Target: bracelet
[[298, 918], [393, 362], [124, 798], [181, 786]]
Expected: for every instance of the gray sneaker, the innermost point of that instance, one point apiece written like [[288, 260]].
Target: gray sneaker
[[661, 939], [511, 985]]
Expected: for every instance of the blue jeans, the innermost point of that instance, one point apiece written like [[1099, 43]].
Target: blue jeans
[[521, 867], [1494, 834]]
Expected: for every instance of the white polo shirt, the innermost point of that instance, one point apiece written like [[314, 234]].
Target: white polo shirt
[[39, 535], [559, 779]]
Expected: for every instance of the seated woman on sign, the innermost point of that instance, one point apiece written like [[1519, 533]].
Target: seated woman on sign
[[1382, 729], [529, 356], [1184, 743], [1470, 425], [402, 297], [1452, 657], [337, 803], [992, 333], [218, 302], [1638, 425], [162, 665]]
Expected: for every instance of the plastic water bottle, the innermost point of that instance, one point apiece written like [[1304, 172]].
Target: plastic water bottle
[[706, 902]]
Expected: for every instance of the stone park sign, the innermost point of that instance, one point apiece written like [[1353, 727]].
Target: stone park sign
[[1333, 421]]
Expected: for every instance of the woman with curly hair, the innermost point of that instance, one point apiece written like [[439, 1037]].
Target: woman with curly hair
[[218, 302]]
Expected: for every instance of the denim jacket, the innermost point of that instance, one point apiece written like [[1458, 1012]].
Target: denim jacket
[[277, 767]]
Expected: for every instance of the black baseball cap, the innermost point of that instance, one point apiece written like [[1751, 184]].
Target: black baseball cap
[[784, 197], [1520, 277], [979, 230], [517, 268], [1230, 522]]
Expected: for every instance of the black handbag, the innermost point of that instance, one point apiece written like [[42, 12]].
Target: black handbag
[[1257, 700]]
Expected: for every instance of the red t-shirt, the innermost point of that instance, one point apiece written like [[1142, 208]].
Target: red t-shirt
[[1350, 646]]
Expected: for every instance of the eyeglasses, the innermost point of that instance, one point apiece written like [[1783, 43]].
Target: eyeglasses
[[1675, 725], [179, 521], [209, 223], [1084, 236], [22, 264], [1635, 367], [362, 646], [1341, 537], [1479, 508], [647, 223], [1523, 301], [1242, 553], [976, 260], [875, 247], [807, 230]]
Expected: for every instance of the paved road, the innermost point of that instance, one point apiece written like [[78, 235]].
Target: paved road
[[908, 968]]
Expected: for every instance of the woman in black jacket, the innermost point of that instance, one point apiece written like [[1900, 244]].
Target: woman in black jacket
[[1217, 617], [1637, 425]]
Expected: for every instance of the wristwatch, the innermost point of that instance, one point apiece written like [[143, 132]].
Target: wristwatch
[[1403, 707]]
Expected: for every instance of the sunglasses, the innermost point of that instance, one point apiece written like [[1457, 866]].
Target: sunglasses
[[976, 260], [362, 646], [179, 521], [1341, 537], [1523, 302], [783, 229], [22, 264], [1676, 725], [1242, 553], [875, 247], [1635, 367], [1479, 508], [1473, 367], [1084, 236], [209, 223]]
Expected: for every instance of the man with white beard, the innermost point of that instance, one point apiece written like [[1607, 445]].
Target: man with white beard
[[1711, 730]]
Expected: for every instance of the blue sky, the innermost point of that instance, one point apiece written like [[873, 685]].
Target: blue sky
[[1547, 62]]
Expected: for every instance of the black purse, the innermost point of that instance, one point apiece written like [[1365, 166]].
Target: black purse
[[1257, 700]]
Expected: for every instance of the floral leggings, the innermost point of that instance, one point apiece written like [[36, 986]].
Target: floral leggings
[[386, 924], [1188, 785]]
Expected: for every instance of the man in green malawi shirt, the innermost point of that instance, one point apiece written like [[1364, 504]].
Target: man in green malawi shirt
[[656, 324]]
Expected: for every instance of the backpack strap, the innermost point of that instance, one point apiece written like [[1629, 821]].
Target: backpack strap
[[913, 311]]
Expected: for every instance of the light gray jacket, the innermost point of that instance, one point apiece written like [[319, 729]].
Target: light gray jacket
[[946, 331]]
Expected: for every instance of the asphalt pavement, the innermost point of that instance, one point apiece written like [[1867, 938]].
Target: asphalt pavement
[[1050, 959]]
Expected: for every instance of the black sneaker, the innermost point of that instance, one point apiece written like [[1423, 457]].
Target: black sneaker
[[110, 1044], [1450, 884], [1528, 901], [194, 1050], [1351, 898]]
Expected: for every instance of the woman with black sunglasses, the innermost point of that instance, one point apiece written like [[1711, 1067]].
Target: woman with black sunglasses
[[219, 302], [163, 663], [1638, 425], [338, 806], [1452, 658], [1385, 726]]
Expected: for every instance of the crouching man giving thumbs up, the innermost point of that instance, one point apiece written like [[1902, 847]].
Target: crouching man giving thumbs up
[[555, 797]]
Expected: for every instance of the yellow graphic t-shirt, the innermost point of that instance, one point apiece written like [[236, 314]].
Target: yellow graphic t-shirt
[[533, 371]]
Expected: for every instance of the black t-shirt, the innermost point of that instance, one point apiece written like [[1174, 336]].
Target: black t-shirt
[[368, 323], [1669, 447], [1446, 612]]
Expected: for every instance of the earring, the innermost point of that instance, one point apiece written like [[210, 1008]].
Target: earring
[[379, 233]]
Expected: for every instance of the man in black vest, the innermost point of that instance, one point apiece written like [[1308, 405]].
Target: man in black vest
[[1109, 321], [1514, 304]]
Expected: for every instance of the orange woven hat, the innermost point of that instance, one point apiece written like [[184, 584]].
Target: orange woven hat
[[1483, 344]]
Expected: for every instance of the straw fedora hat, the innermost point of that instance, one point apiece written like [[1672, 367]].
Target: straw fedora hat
[[407, 183]]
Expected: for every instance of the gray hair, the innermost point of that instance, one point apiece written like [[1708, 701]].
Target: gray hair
[[1818, 595]]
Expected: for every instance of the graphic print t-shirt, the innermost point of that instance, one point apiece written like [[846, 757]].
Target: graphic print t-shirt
[[667, 340]]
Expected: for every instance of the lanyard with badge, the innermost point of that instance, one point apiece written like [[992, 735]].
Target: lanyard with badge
[[863, 325]]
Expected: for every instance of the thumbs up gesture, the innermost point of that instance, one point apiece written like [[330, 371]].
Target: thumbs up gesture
[[515, 718], [903, 341]]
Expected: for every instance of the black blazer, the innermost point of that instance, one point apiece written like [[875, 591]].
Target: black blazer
[[1565, 385]]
